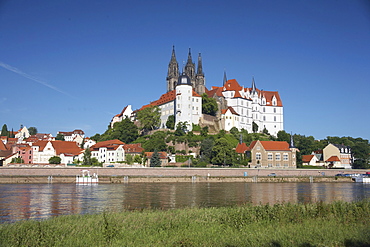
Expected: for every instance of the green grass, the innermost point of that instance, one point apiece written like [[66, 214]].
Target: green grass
[[316, 224]]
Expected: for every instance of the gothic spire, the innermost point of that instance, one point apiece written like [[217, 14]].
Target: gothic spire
[[253, 85], [173, 56], [190, 60], [291, 142], [225, 78], [200, 67]]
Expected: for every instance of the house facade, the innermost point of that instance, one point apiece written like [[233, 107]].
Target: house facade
[[107, 152], [44, 150], [272, 154], [338, 156]]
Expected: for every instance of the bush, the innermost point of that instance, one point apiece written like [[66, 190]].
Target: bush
[[55, 160]]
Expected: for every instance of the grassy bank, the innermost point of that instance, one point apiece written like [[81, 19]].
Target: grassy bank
[[317, 224]]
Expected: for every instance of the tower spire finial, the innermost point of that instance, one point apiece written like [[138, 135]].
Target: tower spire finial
[[253, 85], [225, 78], [200, 66]]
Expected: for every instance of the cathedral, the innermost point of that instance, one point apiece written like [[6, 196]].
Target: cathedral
[[238, 106]]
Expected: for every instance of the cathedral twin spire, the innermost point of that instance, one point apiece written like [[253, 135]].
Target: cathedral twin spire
[[197, 78]]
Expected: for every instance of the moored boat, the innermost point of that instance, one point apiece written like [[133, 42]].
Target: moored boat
[[86, 178]]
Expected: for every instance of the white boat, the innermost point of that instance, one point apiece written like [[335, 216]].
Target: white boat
[[86, 178], [362, 179]]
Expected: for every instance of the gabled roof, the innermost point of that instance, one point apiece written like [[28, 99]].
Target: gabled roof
[[215, 91], [333, 159], [272, 145], [307, 158], [64, 147], [2, 146], [61, 147], [231, 109], [110, 144], [232, 85], [133, 148], [241, 148], [162, 155]]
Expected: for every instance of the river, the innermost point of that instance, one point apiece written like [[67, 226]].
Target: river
[[42, 201]]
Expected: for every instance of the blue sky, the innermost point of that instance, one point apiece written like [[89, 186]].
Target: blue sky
[[68, 65]]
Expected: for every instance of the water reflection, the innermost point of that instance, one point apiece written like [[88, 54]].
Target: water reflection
[[39, 201]]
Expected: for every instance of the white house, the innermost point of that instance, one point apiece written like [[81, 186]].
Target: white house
[[44, 150], [111, 151]]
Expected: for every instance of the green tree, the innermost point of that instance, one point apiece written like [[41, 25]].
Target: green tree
[[149, 118], [222, 152], [155, 160], [156, 141], [138, 159], [125, 131], [170, 124], [32, 130], [209, 105], [87, 157], [4, 130], [204, 131], [55, 160], [283, 136], [95, 162], [181, 129], [129, 159], [254, 127], [17, 160], [206, 147], [95, 137], [59, 137]]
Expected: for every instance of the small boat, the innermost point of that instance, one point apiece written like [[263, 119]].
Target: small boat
[[86, 178], [361, 179]]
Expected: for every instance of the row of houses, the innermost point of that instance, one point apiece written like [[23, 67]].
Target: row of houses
[[332, 156]]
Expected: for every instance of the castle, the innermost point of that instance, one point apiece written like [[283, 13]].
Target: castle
[[239, 106]]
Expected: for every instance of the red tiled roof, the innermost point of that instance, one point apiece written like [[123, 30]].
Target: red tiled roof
[[63, 147], [111, 144], [232, 85], [241, 148], [2, 146], [307, 158], [223, 111], [272, 145], [162, 155], [333, 159], [133, 148]]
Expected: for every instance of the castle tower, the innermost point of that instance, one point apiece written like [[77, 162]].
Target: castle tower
[[173, 72], [199, 78], [183, 102], [190, 69]]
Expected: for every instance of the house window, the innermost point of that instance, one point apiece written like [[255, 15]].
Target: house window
[[258, 156], [277, 164], [269, 156], [269, 165], [286, 164], [277, 157], [285, 156]]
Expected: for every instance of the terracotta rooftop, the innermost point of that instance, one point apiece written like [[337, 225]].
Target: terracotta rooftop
[[333, 159], [272, 145], [307, 158], [241, 148]]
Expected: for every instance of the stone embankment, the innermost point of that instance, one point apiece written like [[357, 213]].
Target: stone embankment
[[124, 175]]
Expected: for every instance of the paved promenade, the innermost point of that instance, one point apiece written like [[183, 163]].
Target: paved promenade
[[172, 172]]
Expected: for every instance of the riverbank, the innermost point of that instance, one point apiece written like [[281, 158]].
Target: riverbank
[[124, 175], [311, 224], [161, 179]]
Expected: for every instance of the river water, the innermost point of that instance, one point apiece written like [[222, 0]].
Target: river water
[[41, 201]]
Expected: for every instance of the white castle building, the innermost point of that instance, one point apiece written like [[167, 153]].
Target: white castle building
[[239, 106]]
